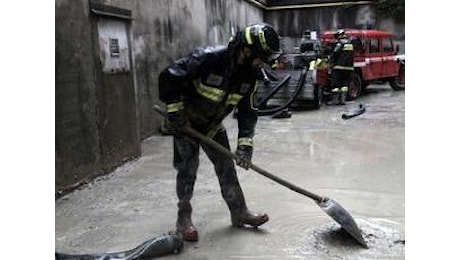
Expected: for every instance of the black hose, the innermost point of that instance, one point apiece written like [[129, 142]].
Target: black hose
[[356, 112], [278, 86], [170, 243], [270, 111]]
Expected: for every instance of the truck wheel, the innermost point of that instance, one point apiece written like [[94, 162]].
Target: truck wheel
[[398, 82], [354, 89]]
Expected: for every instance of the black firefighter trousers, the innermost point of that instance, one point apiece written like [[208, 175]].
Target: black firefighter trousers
[[186, 161], [340, 79]]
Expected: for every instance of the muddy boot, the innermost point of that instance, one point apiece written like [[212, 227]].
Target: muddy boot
[[335, 96], [334, 99], [184, 223], [246, 217], [343, 95]]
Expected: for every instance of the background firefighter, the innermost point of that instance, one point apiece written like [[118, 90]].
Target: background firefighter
[[341, 62], [200, 90]]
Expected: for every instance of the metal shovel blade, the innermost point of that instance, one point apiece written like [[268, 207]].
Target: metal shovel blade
[[341, 216]]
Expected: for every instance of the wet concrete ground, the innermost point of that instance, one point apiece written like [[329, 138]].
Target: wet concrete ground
[[358, 162]]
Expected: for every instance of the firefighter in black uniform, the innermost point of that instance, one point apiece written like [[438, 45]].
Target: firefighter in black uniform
[[341, 62], [200, 90]]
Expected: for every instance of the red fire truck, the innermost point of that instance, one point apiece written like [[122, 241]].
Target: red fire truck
[[377, 58]]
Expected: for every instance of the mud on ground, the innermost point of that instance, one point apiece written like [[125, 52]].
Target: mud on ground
[[358, 162]]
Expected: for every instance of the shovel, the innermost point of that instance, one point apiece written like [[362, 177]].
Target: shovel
[[331, 207]]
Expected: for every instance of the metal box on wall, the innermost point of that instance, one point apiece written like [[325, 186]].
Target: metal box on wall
[[113, 43]]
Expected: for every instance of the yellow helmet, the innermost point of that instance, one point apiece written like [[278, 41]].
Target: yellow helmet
[[340, 33], [263, 40]]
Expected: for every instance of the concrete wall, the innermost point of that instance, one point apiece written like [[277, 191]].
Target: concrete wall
[[96, 121], [292, 22], [77, 136], [99, 123]]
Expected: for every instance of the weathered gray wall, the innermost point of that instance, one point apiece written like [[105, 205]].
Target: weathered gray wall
[[96, 122], [90, 106], [77, 137], [292, 22]]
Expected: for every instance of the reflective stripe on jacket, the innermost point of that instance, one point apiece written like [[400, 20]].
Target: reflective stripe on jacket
[[342, 56], [209, 90]]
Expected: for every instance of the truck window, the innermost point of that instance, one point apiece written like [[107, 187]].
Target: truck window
[[357, 44], [387, 45], [374, 45]]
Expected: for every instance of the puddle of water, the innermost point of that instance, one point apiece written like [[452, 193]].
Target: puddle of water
[[386, 240]]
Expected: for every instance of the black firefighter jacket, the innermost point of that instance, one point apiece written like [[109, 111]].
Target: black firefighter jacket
[[342, 55], [204, 84]]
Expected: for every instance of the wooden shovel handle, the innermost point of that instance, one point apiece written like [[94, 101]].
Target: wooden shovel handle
[[192, 132]]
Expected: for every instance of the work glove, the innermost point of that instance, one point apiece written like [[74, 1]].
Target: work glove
[[244, 153], [175, 122]]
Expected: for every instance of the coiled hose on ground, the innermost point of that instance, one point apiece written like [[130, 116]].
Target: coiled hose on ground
[[262, 103]]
